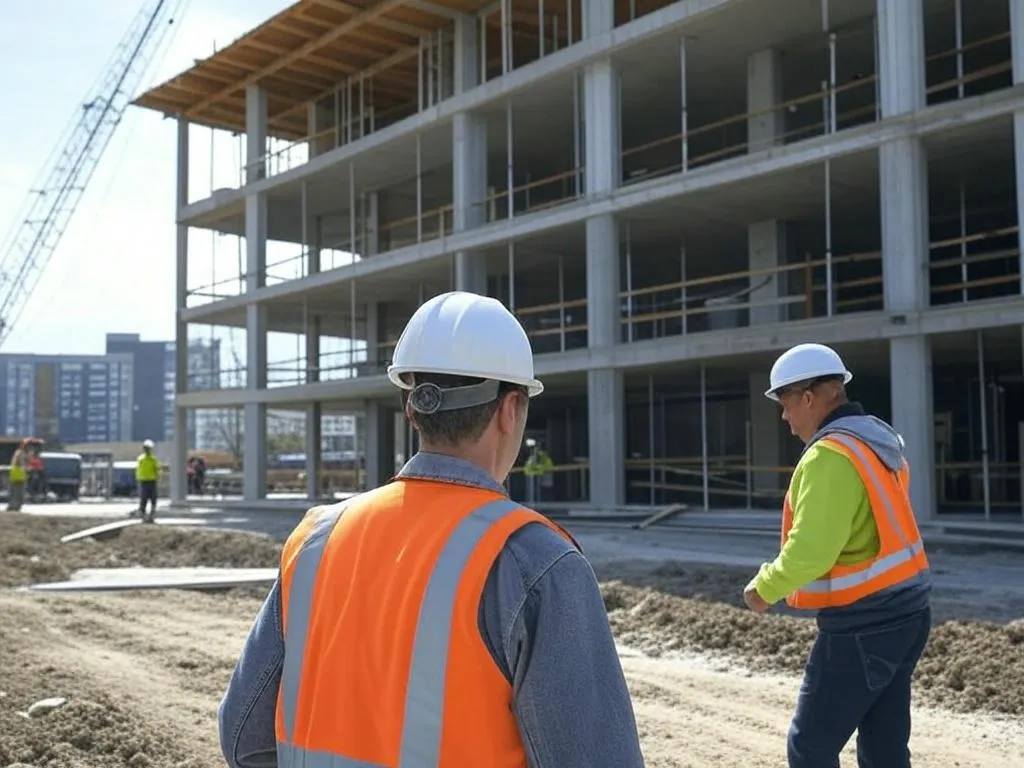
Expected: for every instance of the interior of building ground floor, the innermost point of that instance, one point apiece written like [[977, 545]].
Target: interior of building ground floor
[[696, 432]]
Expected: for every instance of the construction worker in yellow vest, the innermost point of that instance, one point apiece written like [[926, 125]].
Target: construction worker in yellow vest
[[147, 474], [852, 552], [537, 468], [17, 478]]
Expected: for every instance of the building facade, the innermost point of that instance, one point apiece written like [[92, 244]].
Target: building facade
[[70, 398], [667, 194], [125, 395], [153, 387]]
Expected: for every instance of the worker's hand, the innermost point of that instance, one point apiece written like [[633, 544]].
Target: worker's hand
[[754, 601]]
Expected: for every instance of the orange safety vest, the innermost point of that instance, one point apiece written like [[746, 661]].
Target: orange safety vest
[[384, 664], [901, 557]]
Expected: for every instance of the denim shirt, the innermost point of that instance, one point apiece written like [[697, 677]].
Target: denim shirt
[[541, 617]]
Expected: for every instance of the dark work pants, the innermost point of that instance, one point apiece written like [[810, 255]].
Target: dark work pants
[[860, 681], [147, 492]]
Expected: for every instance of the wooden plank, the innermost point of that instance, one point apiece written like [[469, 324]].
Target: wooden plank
[[113, 529], [377, 9], [662, 514]]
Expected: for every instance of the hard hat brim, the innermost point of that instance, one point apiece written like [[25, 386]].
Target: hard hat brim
[[771, 392], [395, 373]]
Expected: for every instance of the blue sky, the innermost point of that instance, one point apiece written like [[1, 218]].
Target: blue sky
[[114, 268]]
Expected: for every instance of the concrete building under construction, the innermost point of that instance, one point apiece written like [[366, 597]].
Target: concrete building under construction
[[667, 194]]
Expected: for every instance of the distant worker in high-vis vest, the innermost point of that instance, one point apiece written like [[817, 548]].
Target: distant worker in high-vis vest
[[147, 475], [17, 478], [433, 622], [852, 552]]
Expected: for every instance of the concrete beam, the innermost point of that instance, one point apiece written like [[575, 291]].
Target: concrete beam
[[846, 328], [867, 326], [745, 168]]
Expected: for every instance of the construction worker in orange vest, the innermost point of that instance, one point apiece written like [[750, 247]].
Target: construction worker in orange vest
[[852, 552], [432, 621]]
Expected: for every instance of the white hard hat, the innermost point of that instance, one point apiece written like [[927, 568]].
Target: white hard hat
[[803, 363], [464, 334], [147, 443]]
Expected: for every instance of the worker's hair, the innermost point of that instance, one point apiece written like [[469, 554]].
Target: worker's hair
[[838, 388], [464, 425]]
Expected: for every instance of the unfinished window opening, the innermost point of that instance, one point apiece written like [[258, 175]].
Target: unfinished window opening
[[515, 33], [967, 48], [979, 423], [975, 248]]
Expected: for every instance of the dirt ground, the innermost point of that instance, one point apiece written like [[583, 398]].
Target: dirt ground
[[713, 685]]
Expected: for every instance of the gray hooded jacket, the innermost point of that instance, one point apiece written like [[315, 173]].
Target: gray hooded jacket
[[891, 605]]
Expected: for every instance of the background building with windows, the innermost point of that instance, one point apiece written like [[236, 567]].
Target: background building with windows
[[125, 395], [73, 399], [667, 194]]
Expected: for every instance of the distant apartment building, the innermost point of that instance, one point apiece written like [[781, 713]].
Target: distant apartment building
[[124, 395], [73, 398]]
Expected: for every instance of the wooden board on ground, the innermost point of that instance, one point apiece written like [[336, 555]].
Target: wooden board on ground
[[113, 529], [122, 579], [662, 514]]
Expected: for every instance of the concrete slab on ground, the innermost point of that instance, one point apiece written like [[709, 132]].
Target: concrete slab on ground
[[115, 527], [119, 579]]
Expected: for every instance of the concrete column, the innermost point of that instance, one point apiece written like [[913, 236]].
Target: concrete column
[[255, 132], [601, 137], [605, 399], [766, 435], [371, 224], [901, 67], [469, 158], [380, 443], [903, 165], [313, 321], [1017, 48], [766, 246], [319, 122], [602, 115], [603, 301], [254, 481], [179, 456], [903, 168], [764, 92], [598, 17], [374, 329], [606, 432], [903, 173], [313, 447], [910, 362]]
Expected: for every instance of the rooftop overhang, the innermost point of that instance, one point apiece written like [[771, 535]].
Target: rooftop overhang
[[301, 55]]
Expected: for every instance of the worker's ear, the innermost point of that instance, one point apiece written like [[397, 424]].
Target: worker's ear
[[511, 410]]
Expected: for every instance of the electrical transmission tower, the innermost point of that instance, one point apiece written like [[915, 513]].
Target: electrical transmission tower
[[37, 232]]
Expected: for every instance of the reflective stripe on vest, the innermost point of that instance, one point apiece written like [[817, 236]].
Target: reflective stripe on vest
[[880, 565], [425, 692]]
